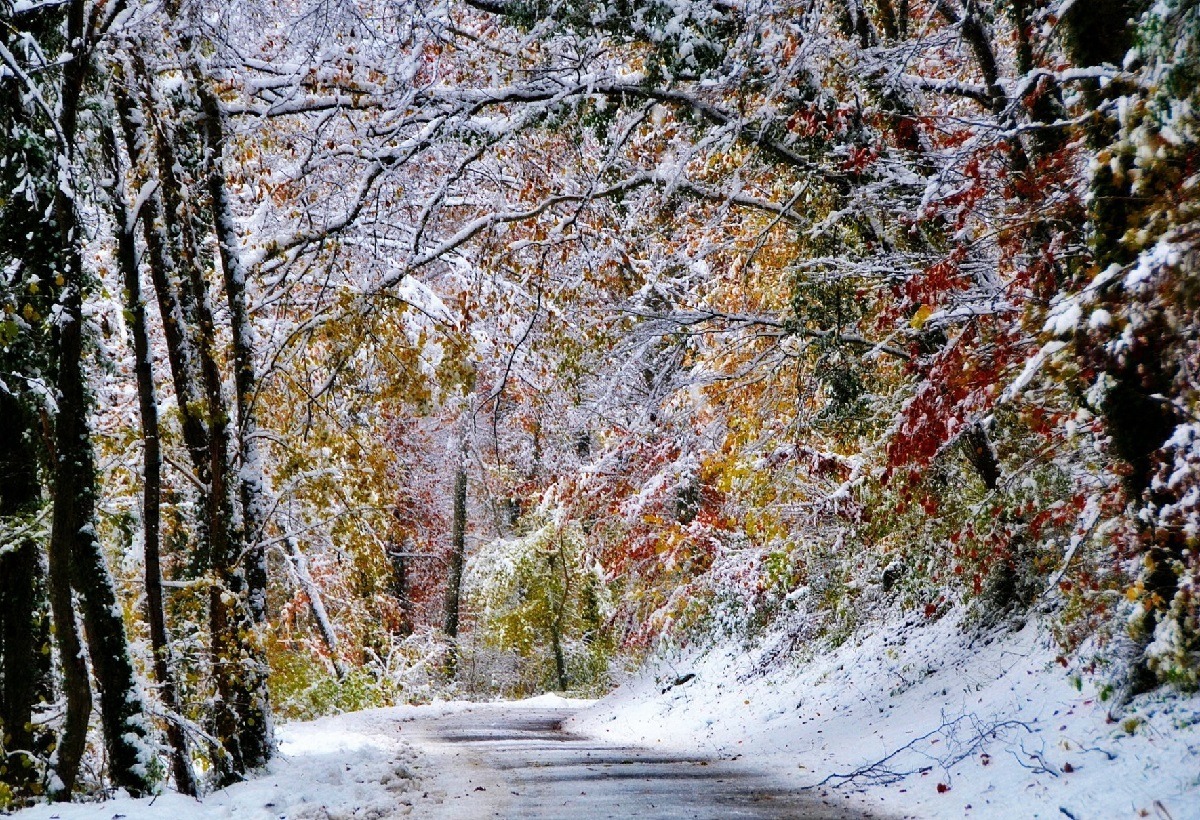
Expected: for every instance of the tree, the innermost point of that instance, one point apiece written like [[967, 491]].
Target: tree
[[53, 260], [457, 557], [135, 308], [25, 673], [785, 310], [538, 595]]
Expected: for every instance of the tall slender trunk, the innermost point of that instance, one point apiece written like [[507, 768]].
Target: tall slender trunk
[[257, 735], [181, 766], [73, 534], [167, 233], [399, 556], [74, 538], [560, 612], [181, 287], [252, 488], [19, 653], [240, 713], [237, 603], [136, 127], [73, 664], [458, 540], [33, 231]]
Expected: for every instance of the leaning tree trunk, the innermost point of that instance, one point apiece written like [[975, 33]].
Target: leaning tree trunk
[[316, 604]]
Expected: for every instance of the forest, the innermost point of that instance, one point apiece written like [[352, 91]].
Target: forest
[[365, 352]]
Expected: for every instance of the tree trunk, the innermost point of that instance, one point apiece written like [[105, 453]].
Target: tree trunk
[[398, 555], [33, 148], [241, 716], [458, 540], [257, 735], [156, 233], [316, 605], [73, 535], [560, 665], [23, 675], [982, 455], [76, 689], [74, 539], [1096, 33], [181, 764], [560, 610], [168, 244]]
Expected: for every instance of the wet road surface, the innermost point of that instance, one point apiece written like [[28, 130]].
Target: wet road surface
[[515, 761]]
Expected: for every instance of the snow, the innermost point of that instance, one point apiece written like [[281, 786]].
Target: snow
[[353, 765], [349, 765], [1031, 370], [1064, 317], [988, 726], [1100, 318], [983, 727], [1162, 255]]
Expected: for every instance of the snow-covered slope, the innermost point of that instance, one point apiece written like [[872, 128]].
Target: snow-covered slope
[[919, 719]]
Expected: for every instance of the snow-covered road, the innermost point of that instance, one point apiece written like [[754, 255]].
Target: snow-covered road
[[463, 761], [513, 760]]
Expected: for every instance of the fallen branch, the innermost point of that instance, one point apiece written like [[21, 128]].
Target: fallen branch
[[886, 770]]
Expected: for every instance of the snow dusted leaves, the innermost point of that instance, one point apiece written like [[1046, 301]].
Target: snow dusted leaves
[[1175, 651]]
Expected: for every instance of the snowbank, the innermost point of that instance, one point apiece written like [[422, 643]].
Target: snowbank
[[353, 765], [919, 719]]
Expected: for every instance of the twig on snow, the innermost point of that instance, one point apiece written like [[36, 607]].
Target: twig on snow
[[886, 770]]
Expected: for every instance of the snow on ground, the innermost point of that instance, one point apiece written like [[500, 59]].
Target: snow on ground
[[353, 765], [357, 765], [938, 726]]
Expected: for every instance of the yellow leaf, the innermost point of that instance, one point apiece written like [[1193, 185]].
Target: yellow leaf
[[921, 316]]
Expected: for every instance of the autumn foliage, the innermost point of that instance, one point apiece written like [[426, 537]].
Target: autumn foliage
[[487, 346]]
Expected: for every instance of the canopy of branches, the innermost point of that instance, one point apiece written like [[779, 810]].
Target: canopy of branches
[[662, 318]]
